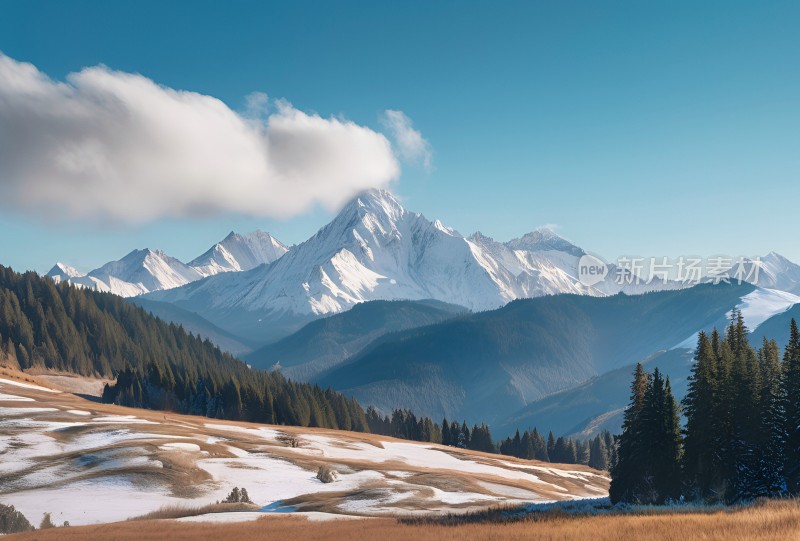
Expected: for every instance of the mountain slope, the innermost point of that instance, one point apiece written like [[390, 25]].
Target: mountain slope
[[597, 404], [488, 365], [62, 272], [239, 253], [195, 324], [777, 272], [151, 270], [323, 343]]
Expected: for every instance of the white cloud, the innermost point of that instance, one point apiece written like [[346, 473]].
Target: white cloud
[[108, 145], [412, 146]]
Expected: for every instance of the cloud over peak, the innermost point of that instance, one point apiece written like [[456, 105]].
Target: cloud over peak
[[109, 145], [410, 143]]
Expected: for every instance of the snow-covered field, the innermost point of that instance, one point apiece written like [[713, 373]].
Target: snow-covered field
[[91, 463]]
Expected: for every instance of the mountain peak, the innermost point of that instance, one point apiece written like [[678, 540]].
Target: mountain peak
[[480, 238], [62, 270], [238, 252], [377, 201], [775, 257], [544, 239]]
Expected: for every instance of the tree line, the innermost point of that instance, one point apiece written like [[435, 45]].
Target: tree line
[[741, 437], [598, 452]]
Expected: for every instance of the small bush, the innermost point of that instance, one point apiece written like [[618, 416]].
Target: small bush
[[326, 474], [238, 496], [47, 522], [12, 521]]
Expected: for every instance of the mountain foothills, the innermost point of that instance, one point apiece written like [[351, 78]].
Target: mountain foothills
[[326, 342], [490, 365]]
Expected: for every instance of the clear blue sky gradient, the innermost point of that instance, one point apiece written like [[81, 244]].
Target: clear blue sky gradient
[[649, 128]]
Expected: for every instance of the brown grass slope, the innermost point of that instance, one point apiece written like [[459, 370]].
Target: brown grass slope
[[772, 521]]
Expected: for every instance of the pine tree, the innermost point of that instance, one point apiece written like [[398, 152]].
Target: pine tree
[[791, 405], [630, 465], [551, 447], [539, 446], [598, 454], [699, 462], [768, 479]]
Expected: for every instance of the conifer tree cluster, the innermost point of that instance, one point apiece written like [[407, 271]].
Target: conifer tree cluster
[[403, 424], [741, 438], [596, 452], [479, 438]]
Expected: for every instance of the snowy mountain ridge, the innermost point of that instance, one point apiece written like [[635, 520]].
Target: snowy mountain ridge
[[143, 271], [239, 253]]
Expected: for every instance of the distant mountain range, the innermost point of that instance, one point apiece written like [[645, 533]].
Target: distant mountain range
[[143, 271]]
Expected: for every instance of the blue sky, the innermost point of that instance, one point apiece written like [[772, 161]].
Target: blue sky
[[638, 127]]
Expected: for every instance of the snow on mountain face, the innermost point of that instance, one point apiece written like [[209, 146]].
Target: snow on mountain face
[[530, 270], [239, 253], [756, 307], [377, 250], [151, 270], [374, 249], [143, 271], [777, 272], [544, 240], [62, 271]]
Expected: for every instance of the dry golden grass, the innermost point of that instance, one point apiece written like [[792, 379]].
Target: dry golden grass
[[177, 511], [772, 521], [23, 377]]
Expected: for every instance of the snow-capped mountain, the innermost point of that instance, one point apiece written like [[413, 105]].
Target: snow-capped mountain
[[63, 272], [239, 253], [148, 269], [375, 249], [143, 271], [777, 272]]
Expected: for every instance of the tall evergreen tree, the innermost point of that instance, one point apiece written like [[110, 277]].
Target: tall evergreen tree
[[791, 405], [768, 478], [629, 469], [598, 454], [699, 459]]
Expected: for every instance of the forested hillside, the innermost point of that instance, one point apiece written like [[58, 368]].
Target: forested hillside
[[159, 365]]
